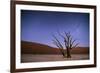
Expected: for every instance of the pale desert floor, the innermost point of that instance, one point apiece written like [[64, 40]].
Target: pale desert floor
[[45, 58]]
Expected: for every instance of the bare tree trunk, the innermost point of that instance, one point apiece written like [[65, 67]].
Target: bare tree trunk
[[68, 53]]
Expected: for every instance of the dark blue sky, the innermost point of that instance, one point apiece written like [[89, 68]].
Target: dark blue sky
[[38, 26]]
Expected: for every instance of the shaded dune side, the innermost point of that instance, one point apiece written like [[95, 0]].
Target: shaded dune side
[[37, 48]]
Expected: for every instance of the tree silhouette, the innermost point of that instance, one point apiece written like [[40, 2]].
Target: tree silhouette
[[68, 44]]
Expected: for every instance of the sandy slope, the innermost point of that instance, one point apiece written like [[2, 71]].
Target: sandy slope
[[37, 48]]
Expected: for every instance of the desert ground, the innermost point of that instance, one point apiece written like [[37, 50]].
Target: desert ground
[[45, 58]]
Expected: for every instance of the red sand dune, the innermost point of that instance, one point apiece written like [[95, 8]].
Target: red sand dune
[[36, 48]]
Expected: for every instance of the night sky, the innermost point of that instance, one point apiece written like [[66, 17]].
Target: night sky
[[39, 26]]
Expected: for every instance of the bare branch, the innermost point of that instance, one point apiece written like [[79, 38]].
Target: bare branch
[[72, 43], [58, 42], [76, 45], [61, 49], [68, 35]]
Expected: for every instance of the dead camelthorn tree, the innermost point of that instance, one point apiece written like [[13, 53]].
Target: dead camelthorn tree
[[68, 44]]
